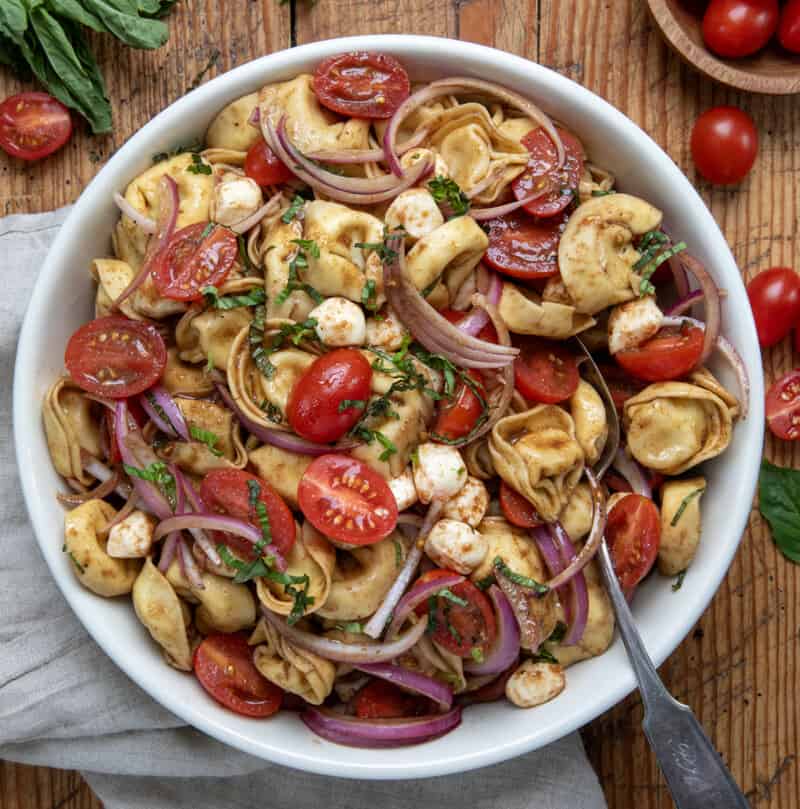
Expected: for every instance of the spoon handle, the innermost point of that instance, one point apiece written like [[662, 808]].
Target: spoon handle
[[694, 772]]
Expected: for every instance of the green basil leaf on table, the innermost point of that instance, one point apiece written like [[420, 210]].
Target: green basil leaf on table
[[779, 503], [74, 10], [130, 28]]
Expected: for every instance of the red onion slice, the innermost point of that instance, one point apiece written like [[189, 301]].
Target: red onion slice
[[412, 681], [419, 593], [143, 222], [168, 551], [713, 305], [630, 469], [379, 733], [280, 438], [169, 205], [269, 207], [351, 156], [577, 598], [196, 504], [482, 214], [593, 540], [164, 412], [519, 598], [189, 566], [435, 332], [679, 277], [100, 471], [685, 303], [98, 493], [505, 649], [339, 652], [731, 355]]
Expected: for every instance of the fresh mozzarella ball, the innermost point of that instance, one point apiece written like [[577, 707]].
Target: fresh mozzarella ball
[[470, 504], [236, 198], [534, 684], [340, 322], [385, 332], [456, 546], [416, 211], [439, 472], [132, 537], [631, 323], [402, 487]]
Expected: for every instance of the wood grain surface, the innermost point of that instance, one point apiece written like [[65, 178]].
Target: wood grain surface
[[740, 667]]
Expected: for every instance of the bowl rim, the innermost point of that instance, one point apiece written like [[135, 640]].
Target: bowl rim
[[313, 758], [726, 72]]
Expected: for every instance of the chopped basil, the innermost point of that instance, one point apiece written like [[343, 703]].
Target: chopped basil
[[684, 503], [389, 448], [779, 503], [600, 193], [157, 473], [209, 363], [368, 295], [449, 595], [486, 582], [646, 287], [678, 583], [81, 569], [449, 196], [559, 633], [355, 404], [255, 297], [476, 653], [353, 627], [257, 505], [433, 284], [293, 210], [432, 625], [198, 165], [385, 253], [518, 578], [248, 268], [300, 262], [544, 656], [398, 553], [273, 412], [206, 230], [206, 437], [255, 340]]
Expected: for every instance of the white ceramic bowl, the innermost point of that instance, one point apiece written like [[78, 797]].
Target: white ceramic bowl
[[62, 300]]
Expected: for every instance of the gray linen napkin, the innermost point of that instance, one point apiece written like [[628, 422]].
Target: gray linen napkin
[[64, 704]]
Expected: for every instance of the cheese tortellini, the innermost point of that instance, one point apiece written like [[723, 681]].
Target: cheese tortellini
[[527, 312], [680, 524]]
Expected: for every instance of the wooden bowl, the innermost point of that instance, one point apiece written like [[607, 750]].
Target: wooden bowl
[[773, 70]]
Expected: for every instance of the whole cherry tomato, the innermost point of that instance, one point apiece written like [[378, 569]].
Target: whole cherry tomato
[[775, 299], [789, 28], [724, 145], [33, 125], [736, 28]]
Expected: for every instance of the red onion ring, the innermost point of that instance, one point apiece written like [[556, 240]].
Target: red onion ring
[[685, 303], [168, 551], [731, 355], [593, 540], [633, 473], [420, 592], [145, 223], [270, 206], [679, 277], [412, 681], [196, 504], [100, 471], [255, 117], [375, 625], [519, 598], [167, 218], [218, 522], [339, 652], [473, 322], [379, 733], [482, 214], [175, 425], [99, 492], [435, 332], [189, 566], [490, 688], [280, 438], [505, 649], [126, 510], [713, 306], [350, 156]]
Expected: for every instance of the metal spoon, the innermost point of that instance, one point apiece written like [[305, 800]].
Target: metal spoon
[[695, 774]]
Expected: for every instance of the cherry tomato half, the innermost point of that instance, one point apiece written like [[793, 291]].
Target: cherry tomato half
[[33, 125], [315, 409], [562, 184], [362, 85], [461, 629], [783, 406], [545, 371], [227, 491], [347, 500], [724, 145], [775, 300], [633, 533], [380, 699], [115, 357], [457, 416], [671, 354], [736, 28], [789, 28], [224, 666], [523, 247], [264, 166], [621, 385], [517, 509]]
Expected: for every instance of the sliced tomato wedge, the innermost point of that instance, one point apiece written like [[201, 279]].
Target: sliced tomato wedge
[[561, 183], [671, 354], [227, 491], [33, 125], [545, 371], [264, 166], [633, 533], [518, 510], [115, 357], [783, 406], [197, 256], [380, 699], [347, 500], [525, 248], [458, 416], [362, 85], [463, 630], [224, 666]]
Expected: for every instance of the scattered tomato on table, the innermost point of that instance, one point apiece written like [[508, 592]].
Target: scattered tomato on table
[[783, 406], [33, 125], [724, 145], [775, 300]]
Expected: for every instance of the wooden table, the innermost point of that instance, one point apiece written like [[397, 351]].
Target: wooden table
[[740, 668]]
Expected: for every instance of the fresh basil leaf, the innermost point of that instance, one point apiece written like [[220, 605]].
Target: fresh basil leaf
[[73, 10], [523, 581], [206, 437], [779, 503], [139, 32]]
